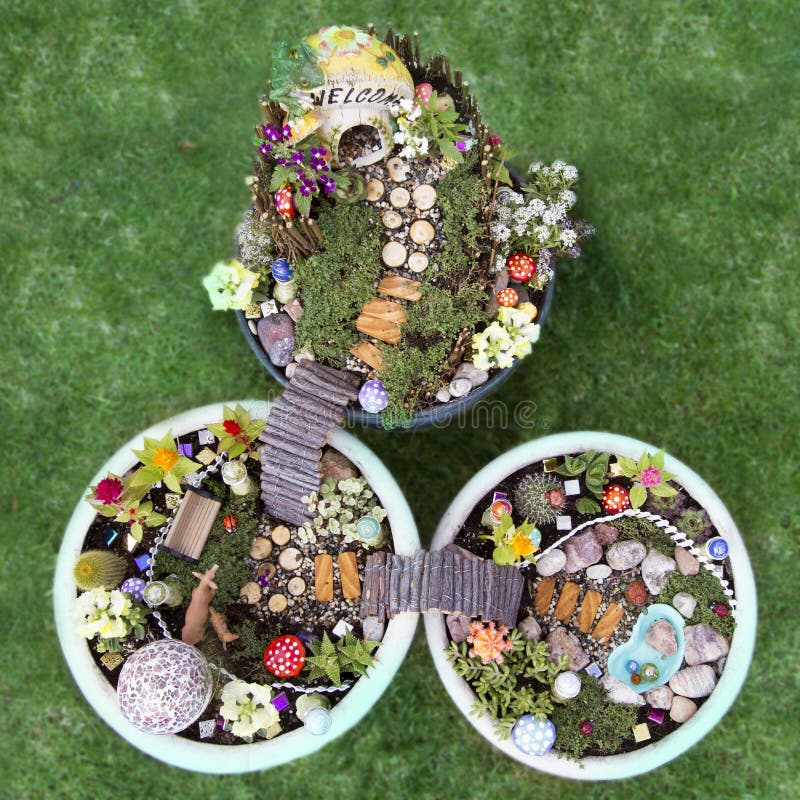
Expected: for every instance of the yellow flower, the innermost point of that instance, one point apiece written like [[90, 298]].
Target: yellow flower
[[164, 458], [522, 545]]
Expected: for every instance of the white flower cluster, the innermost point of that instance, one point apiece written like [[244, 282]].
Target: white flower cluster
[[248, 708], [408, 112], [510, 336], [337, 507], [107, 616]]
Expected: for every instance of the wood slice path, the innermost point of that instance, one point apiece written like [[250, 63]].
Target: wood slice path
[[298, 425], [450, 580]]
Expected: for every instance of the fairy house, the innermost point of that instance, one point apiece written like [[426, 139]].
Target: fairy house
[[341, 83]]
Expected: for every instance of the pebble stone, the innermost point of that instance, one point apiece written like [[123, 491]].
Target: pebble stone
[[626, 554], [660, 697], [460, 387], [656, 568], [477, 377], [685, 603], [551, 562], [598, 572], [421, 231], [687, 563], [696, 681], [682, 709], [418, 262], [704, 644], [443, 395], [399, 197], [530, 629]]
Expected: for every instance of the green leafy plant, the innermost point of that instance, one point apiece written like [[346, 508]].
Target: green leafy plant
[[648, 475], [138, 515], [237, 431], [422, 129], [162, 462], [693, 522], [594, 464], [337, 507], [519, 685], [329, 660], [513, 542], [611, 722], [587, 506]]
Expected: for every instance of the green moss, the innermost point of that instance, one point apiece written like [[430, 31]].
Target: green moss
[[646, 532], [707, 590], [612, 721], [461, 198], [229, 550], [337, 281]]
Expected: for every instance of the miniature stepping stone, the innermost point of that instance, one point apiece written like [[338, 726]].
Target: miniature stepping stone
[[391, 220], [567, 601], [608, 622], [368, 353], [397, 169], [544, 594], [277, 603], [374, 190], [418, 262], [260, 548], [290, 559], [280, 535], [323, 578], [421, 231], [424, 196], [399, 197], [348, 574], [591, 602], [296, 586], [266, 570], [400, 287], [382, 319], [250, 593], [393, 254]]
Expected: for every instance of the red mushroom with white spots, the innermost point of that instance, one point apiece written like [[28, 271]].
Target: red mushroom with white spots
[[285, 657], [615, 499], [423, 92], [521, 267], [508, 297], [283, 202]]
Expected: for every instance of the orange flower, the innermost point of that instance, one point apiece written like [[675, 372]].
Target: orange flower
[[522, 545], [164, 458]]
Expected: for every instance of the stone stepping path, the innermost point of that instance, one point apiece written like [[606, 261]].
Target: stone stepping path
[[298, 425], [566, 605], [450, 580]]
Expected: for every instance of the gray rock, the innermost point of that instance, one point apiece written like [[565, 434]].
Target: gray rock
[[294, 309], [280, 354], [656, 568], [605, 534], [530, 629], [685, 603], [661, 637], [660, 697], [458, 625], [720, 665], [626, 554], [683, 709], [582, 551], [477, 377], [698, 681], [687, 563], [273, 328], [551, 562], [290, 370], [562, 641], [335, 465], [459, 387], [618, 692], [598, 572], [372, 629], [443, 395], [704, 644]]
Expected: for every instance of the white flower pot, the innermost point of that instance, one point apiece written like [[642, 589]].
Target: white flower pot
[[741, 648], [197, 755]]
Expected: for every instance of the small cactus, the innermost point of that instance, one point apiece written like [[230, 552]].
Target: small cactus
[[98, 568], [539, 498]]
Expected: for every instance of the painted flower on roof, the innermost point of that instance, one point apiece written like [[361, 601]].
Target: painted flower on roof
[[488, 642], [342, 40]]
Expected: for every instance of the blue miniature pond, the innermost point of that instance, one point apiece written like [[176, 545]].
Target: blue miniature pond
[[636, 657]]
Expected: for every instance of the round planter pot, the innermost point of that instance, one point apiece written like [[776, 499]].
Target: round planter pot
[[741, 646], [263, 754]]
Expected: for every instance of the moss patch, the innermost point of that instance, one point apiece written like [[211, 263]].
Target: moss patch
[[646, 532], [707, 590]]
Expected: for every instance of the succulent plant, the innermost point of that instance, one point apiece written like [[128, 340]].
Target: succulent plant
[[539, 498], [693, 522], [96, 569]]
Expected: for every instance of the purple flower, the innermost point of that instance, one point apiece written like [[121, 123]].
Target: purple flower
[[298, 157], [271, 133], [574, 251], [327, 184], [318, 151], [286, 133], [461, 146], [305, 191], [283, 162], [265, 149]]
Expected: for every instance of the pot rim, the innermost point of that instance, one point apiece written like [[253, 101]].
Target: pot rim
[[623, 765], [197, 755]]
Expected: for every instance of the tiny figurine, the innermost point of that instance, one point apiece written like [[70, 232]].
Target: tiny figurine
[[197, 612]]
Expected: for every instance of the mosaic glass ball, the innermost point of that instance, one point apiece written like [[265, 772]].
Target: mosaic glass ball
[[532, 736], [164, 687]]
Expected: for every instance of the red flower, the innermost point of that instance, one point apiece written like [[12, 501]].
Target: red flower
[[108, 491], [232, 427]]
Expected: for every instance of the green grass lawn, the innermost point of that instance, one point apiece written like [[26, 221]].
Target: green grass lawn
[[679, 326]]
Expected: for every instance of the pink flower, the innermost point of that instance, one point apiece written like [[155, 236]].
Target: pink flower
[[650, 477], [108, 491]]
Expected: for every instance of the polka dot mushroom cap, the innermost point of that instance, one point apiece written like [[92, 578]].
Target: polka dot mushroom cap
[[373, 397], [521, 267], [615, 499], [532, 736], [285, 657], [134, 587], [164, 686]]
